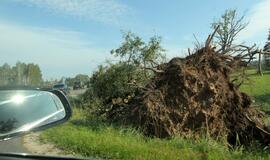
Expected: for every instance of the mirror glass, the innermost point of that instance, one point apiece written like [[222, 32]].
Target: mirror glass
[[23, 110]]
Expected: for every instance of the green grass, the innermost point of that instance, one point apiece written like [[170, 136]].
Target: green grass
[[105, 141], [259, 88], [92, 138]]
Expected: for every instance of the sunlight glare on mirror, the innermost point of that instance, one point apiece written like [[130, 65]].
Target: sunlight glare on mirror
[[18, 99]]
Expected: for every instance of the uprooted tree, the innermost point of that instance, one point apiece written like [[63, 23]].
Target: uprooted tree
[[193, 96]]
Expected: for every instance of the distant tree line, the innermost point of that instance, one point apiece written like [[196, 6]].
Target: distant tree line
[[21, 74]]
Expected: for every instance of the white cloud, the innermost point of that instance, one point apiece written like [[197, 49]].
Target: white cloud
[[107, 11], [259, 22], [58, 52]]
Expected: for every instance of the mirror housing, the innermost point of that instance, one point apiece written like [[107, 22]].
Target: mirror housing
[[31, 109]]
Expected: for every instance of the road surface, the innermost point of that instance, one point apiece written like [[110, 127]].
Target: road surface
[[76, 93], [14, 145]]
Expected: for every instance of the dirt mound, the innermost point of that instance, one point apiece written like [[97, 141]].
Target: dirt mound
[[195, 96]]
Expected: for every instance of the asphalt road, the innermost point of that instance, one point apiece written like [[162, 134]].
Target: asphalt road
[[14, 145]]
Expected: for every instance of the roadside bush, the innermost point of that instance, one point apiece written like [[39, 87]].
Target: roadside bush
[[115, 81], [109, 83], [119, 82]]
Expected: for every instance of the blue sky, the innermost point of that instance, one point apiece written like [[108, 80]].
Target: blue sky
[[67, 37]]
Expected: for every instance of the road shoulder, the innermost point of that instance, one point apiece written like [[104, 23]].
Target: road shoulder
[[33, 144]]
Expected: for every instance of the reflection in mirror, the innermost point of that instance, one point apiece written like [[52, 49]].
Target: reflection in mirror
[[23, 110]]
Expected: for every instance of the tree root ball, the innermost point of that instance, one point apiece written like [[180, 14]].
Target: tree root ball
[[195, 96]]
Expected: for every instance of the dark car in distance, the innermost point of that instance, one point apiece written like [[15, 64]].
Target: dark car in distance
[[77, 85], [62, 87]]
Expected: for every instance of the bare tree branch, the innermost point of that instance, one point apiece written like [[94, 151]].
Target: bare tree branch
[[230, 26]]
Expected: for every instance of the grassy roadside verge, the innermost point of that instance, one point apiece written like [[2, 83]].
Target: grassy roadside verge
[[96, 139], [107, 142]]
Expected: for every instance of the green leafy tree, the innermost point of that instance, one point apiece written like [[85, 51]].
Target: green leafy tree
[[113, 81], [130, 49], [152, 53], [121, 80], [137, 52], [80, 77], [20, 74], [34, 76], [5, 74], [134, 51], [69, 81]]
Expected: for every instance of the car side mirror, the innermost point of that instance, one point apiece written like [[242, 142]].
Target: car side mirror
[[26, 110]]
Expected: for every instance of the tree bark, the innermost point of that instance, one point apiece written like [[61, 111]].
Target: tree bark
[[260, 65]]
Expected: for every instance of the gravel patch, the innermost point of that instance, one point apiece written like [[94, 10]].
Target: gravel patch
[[33, 143]]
